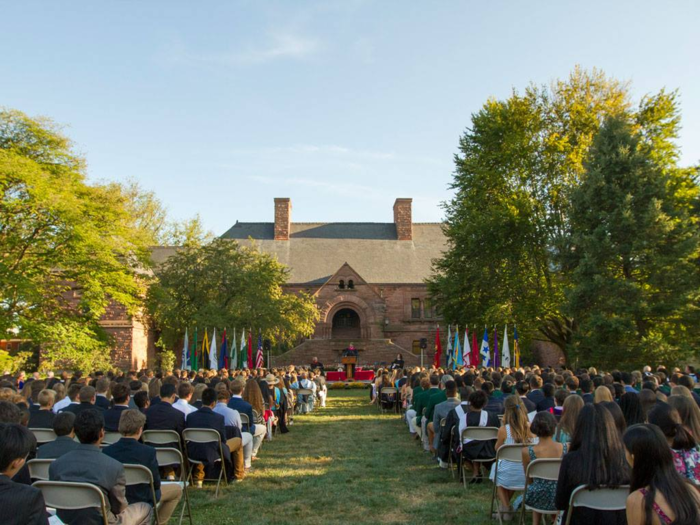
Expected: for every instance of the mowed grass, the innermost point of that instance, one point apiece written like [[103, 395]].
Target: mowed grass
[[345, 463]]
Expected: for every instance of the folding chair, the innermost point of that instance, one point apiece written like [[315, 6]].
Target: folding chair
[[388, 390], [43, 435], [513, 453], [450, 463], [203, 436], [39, 469], [141, 475], [500, 420], [160, 438], [307, 406], [111, 438], [172, 457], [605, 499], [64, 495], [245, 421], [476, 434], [544, 469]]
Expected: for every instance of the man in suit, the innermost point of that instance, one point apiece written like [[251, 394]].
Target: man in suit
[[20, 504], [86, 396], [494, 404], [522, 388], [184, 394], [163, 416], [120, 397], [128, 450], [87, 464], [70, 399], [232, 422], [441, 411], [243, 407], [101, 388], [535, 395], [205, 417], [65, 438], [43, 418], [586, 386]]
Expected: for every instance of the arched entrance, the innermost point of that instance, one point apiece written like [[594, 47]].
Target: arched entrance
[[346, 324]]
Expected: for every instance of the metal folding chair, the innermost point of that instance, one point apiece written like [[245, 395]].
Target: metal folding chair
[[388, 390], [204, 436], [172, 457], [544, 469], [64, 495], [141, 475], [161, 438], [43, 435], [513, 453], [39, 469], [111, 438], [476, 434], [605, 499]]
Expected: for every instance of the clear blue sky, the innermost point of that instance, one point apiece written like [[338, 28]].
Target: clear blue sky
[[219, 106]]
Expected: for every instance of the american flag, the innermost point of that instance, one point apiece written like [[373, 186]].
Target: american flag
[[259, 354]]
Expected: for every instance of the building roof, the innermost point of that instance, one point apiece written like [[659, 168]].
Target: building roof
[[315, 251]]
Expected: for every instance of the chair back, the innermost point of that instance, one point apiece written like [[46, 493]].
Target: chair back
[[141, 475], [63, 495], [161, 437], [111, 438], [604, 499], [245, 420], [388, 390], [546, 469], [512, 452], [305, 392], [480, 433], [43, 435], [169, 457], [39, 468], [201, 435]]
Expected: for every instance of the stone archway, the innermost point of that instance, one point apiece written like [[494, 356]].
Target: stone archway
[[346, 324]]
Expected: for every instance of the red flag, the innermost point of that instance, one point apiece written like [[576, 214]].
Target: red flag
[[438, 349], [475, 349], [250, 349], [259, 353]]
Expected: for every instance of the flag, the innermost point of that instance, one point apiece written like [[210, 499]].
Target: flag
[[195, 366], [233, 359], [242, 359], [506, 349], [466, 351], [185, 365], [205, 350], [450, 355], [259, 359], [213, 356], [475, 348], [516, 347], [496, 357], [223, 353], [250, 349], [485, 353], [457, 361], [438, 349]]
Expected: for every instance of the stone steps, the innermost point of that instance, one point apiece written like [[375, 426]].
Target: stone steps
[[372, 352]]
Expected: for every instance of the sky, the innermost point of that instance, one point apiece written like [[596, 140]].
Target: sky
[[343, 106]]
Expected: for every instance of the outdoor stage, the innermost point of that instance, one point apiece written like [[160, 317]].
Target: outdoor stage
[[360, 376]]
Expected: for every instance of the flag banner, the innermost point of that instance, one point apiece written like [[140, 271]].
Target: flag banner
[[223, 353], [195, 366], [204, 355], [516, 347], [184, 365], [506, 349], [467, 351], [242, 359], [496, 357], [449, 354], [213, 356], [457, 361], [233, 359], [475, 348], [438, 349], [250, 349], [485, 351], [259, 358]]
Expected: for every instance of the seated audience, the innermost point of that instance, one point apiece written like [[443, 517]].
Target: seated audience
[[184, 393], [19, 503], [567, 424], [631, 408], [87, 464], [163, 416], [682, 442], [87, 398], [65, 438], [128, 450], [689, 412], [233, 424], [596, 458], [44, 416], [658, 494], [441, 412], [101, 389], [547, 402], [616, 413], [70, 399], [120, 399], [602, 394], [257, 430], [140, 401]]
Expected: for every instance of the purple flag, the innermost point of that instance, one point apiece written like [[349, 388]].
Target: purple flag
[[496, 357]]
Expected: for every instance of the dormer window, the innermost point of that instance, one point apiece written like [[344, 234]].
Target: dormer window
[[341, 284], [351, 284]]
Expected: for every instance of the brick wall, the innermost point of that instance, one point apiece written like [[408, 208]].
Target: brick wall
[[403, 218], [283, 218]]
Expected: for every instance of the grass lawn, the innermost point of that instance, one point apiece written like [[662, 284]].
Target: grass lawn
[[345, 463]]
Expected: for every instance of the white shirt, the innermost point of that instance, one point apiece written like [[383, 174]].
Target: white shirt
[[231, 417], [184, 407], [60, 405]]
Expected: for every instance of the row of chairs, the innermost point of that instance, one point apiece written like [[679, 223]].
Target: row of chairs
[[63, 495], [606, 499]]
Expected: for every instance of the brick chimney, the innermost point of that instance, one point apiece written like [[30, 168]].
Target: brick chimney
[[283, 218], [403, 219]]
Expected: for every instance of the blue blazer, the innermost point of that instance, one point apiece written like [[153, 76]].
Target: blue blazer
[[205, 417], [243, 407], [130, 451], [112, 416]]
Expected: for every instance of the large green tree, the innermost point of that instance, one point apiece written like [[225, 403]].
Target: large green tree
[[225, 285], [634, 246], [66, 247]]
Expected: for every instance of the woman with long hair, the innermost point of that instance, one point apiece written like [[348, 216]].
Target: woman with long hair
[[567, 424], [631, 408], [596, 458], [253, 395], [515, 430], [683, 445], [602, 394], [658, 494], [689, 412], [647, 398], [617, 415]]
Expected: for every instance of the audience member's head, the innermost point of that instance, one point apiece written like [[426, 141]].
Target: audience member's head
[[668, 420], [120, 394], [46, 399], [478, 399], [89, 427], [185, 391], [63, 424], [141, 400], [688, 411], [569, 416], [617, 415], [131, 423], [209, 397], [543, 425], [451, 389], [168, 392], [16, 444], [602, 395], [632, 409], [9, 412], [87, 395]]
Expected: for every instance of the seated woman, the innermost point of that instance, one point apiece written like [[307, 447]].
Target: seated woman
[[659, 494], [567, 423], [689, 412], [682, 442], [476, 417], [540, 493], [596, 458], [387, 400], [515, 430]]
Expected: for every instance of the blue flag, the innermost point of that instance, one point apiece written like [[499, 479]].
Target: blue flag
[[485, 352], [223, 354]]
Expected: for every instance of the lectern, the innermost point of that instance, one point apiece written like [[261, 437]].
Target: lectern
[[349, 361]]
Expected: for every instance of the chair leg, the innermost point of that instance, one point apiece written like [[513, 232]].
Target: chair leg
[[218, 481]]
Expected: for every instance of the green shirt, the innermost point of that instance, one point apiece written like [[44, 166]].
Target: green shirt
[[416, 391], [420, 402], [434, 400]]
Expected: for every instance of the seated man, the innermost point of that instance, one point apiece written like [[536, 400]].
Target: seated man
[[184, 393], [120, 397], [101, 388], [243, 407], [87, 464], [128, 450], [70, 399], [162, 416], [234, 427], [316, 365], [87, 397], [19, 503], [209, 452], [43, 418], [64, 442]]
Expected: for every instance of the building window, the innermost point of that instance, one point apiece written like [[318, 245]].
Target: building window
[[415, 308], [428, 310], [415, 348], [351, 284], [341, 285]]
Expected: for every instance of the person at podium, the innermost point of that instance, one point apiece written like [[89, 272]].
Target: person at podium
[[350, 351]]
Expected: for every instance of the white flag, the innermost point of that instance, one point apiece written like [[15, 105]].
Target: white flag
[[450, 353], [485, 350], [244, 359], [466, 349], [213, 357], [185, 354], [505, 354]]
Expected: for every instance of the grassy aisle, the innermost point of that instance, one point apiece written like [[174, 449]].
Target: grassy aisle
[[344, 464]]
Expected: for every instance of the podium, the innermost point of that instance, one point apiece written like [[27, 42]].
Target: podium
[[350, 362]]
